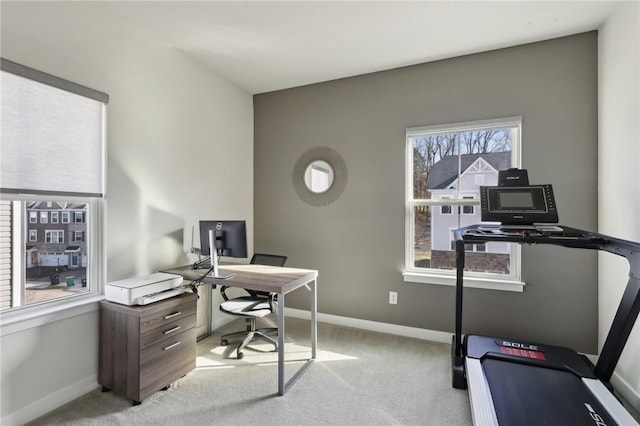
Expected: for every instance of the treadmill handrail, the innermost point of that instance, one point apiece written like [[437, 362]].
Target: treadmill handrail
[[628, 308]]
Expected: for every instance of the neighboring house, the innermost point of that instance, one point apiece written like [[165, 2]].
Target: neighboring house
[[475, 170], [56, 235]]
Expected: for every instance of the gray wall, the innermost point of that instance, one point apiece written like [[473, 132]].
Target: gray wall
[[357, 243]]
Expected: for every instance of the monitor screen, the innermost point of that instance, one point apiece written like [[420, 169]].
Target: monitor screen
[[516, 200], [230, 237]]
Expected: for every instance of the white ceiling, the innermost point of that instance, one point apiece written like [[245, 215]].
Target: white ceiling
[[264, 46]]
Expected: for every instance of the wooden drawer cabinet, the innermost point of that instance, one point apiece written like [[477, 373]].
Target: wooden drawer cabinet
[[145, 348]]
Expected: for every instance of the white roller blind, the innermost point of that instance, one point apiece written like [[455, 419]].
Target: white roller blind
[[51, 139]]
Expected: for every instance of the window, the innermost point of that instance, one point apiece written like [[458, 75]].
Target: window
[[445, 167], [54, 236], [468, 209], [46, 120], [445, 209]]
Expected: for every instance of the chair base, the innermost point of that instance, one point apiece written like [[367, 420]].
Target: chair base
[[250, 336]]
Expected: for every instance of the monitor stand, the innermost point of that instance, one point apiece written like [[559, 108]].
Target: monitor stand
[[215, 272]]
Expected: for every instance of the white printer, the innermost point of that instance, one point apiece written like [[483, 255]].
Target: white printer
[[145, 289]]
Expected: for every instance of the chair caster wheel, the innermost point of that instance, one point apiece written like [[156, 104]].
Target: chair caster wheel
[[240, 355], [224, 342]]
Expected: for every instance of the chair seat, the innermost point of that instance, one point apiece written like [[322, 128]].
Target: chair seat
[[246, 306]]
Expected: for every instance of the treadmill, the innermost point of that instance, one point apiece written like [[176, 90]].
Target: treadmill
[[513, 382]]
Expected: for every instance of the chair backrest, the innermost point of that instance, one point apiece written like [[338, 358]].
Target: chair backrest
[[268, 259]]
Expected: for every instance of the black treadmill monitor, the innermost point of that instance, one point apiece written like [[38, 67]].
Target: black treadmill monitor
[[230, 237], [518, 205], [515, 200]]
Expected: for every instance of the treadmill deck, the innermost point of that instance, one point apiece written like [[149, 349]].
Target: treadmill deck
[[516, 383]]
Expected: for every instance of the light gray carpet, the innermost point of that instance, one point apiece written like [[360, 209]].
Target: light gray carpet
[[359, 378]]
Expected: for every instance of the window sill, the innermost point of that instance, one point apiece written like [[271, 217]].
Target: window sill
[[469, 282], [31, 317]]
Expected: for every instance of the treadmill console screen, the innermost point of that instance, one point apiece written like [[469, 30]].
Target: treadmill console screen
[[518, 205], [515, 200]]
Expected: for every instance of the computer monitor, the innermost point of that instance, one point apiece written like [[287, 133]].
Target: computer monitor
[[230, 237]]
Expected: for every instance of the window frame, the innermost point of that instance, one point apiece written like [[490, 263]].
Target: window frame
[[485, 280], [25, 316]]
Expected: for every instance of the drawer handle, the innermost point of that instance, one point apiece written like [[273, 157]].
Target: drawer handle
[[176, 328], [175, 314], [171, 346]]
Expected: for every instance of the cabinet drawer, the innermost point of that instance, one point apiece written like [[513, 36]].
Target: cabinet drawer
[[167, 316], [167, 361], [167, 330]]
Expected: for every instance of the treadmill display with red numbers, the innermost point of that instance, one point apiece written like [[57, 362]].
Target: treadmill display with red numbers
[[523, 353]]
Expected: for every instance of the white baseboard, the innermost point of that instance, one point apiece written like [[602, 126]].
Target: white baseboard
[[222, 320], [216, 323], [628, 393], [621, 386], [51, 402], [380, 327]]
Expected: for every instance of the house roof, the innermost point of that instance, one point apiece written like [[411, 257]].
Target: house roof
[[44, 205], [443, 173]]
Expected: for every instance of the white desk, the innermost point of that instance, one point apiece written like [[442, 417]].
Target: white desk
[[274, 279]]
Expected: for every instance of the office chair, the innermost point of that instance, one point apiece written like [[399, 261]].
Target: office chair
[[257, 305]]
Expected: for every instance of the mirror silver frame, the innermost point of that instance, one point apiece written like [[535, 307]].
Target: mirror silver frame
[[339, 167]]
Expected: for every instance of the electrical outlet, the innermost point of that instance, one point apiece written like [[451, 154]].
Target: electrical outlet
[[393, 298]]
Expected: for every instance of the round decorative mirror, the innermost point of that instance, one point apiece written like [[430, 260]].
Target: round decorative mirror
[[319, 176]]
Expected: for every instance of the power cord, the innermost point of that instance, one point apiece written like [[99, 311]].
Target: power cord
[[194, 284]]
